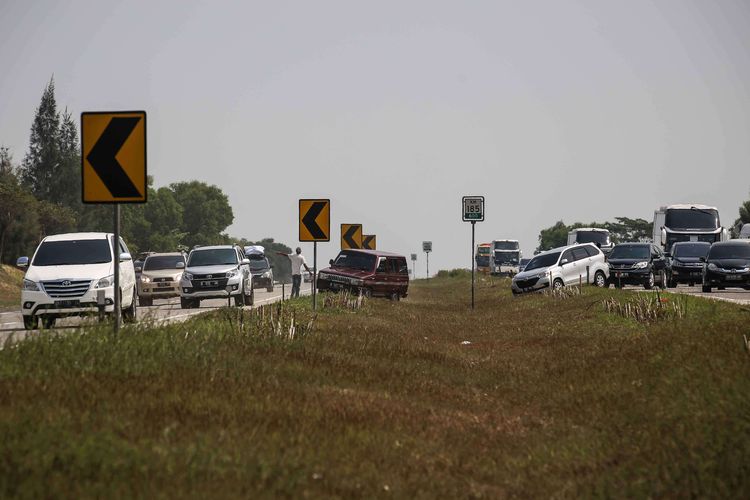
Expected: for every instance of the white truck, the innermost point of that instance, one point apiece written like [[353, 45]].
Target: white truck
[[504, 257], [597, 236], [687, 222]]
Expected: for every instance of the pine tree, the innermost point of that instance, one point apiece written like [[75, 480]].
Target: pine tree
[[40, 168], [69, 172]]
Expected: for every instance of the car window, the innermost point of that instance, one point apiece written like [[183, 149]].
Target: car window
[[72, 252], [591, 250], [382, 265], [580, 254], [156, 262], [567, 254], [401, 266]]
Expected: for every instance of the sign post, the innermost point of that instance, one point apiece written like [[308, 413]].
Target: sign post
[[113, 171], [473, 211], [414, 265], [315, 226], [427, 248]]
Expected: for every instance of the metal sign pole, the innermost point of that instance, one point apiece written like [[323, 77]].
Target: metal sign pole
[[116, 252], [428, 265], [315, 276], [473, 224]]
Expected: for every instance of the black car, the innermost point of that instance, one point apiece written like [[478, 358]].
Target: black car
[[522, 264], [727, 265], [686, 266], [261, 271], [637, 264]]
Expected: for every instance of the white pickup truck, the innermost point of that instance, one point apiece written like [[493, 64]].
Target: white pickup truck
[[73, 275]]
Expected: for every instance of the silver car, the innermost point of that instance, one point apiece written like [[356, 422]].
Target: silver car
[[563, 266], [215, 272], [160, 277]]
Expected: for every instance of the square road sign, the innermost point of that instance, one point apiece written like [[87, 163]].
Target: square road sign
[[473, 208]]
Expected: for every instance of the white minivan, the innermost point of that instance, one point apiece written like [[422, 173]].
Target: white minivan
[[562, 266], [73, 275]]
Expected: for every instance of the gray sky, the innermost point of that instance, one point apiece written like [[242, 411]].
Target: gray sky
[[577, 110]]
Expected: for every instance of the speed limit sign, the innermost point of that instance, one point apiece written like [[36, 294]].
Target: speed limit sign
[[473, 208]]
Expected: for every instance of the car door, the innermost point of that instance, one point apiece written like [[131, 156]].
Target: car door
[[244, 269], [127, 274], [568, 268], [581, 257], [382, 275]]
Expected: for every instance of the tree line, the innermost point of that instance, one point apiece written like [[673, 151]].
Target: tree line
[[42, 195]]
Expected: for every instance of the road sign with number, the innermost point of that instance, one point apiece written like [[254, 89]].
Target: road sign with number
[[315, 220], [413, 256], [113, 157], [473, 208], [427, 246], [369, 242], [351, 236]]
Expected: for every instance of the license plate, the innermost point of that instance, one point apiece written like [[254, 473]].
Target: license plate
[[621, 275], [164, 285], [209, 283], [67, 303], [336, 286], [732, 277]]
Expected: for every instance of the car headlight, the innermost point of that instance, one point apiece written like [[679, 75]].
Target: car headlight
[[145, 279], [187, 276], [640, 265], [267, 274], [30, 286], [357, 282], [232, 274], [105, 282], [713, 267]]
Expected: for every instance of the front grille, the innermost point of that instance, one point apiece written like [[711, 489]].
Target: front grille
[[162, 280], [198, 285], [66, 289], [213, 276], [526, 283]]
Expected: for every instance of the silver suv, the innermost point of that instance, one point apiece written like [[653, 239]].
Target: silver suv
[[216, 272], [562, 266]]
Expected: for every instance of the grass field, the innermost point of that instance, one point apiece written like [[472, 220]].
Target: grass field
[[550, 397], [10, 286]]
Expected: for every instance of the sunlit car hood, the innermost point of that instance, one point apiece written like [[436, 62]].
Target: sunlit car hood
[[533, 272], [625, 262], [224, 268], [84, 271], [163, 273]]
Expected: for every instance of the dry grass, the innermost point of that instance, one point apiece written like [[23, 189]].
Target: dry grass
[[550, 398], [10, 286]]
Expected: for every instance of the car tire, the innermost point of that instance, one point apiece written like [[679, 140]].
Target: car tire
[[250, 299], [600, 281], [721, 287], [706, 289], [671, 283], [557, 284], [649, 283], [395, 297], [186, 303], [239, 299], [269, 289], [662, 280], [130, 315], [30, 322], [48, 322], [145, 302]]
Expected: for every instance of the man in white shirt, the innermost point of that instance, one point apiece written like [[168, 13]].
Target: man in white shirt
[[297, 260]]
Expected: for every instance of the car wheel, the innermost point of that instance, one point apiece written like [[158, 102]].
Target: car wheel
[[366, 292], [48, 322], [250, 299], [239, 299], [706, 288], [557, 284], [395, 297], [130, 315], [649, 284], [662, 280], [185, 303], [145, 301], [30, 322], [600, 280], [671, 283], [721, 287], [269, 289]]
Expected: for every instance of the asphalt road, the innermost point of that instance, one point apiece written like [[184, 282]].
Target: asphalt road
[[163, 310], [736, 295]]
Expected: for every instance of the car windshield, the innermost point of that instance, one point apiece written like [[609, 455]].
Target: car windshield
[[600, 237], [540, 261], [691, 250], [506, 245], [355, 260], [630, 252], [729, 252], [692, 218], [213, 257], [157, 262], [72, 253], [257, 264]]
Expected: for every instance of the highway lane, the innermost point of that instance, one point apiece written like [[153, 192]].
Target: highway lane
[[163, 310], [735, 295]]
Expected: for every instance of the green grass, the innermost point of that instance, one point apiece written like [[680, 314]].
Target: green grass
[[10, 286], [551, 397]]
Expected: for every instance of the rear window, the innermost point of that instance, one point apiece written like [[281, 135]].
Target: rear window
[[157, 262], [72, 253]]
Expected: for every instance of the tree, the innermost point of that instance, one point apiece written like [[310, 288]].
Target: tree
[[40, 168], [68, 174], [553, 237], [206, 212], [18, 215], [627, 229], [55, 218]]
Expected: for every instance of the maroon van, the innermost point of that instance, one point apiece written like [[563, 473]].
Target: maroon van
[[372, 272]]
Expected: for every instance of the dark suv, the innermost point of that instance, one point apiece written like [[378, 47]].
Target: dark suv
[[686, 266], [370, 272], [727, 265], [637, 264], [261, 270]]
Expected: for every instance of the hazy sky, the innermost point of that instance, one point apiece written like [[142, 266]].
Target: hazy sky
[[577, 110]]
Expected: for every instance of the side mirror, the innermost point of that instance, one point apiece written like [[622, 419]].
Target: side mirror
[[138, 269], [245, 262], [330, 262], [663, 236], [124, 256], [22, 262], [180, 265]]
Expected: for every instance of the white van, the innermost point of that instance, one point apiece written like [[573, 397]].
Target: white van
[[73, 275], [562, 266]]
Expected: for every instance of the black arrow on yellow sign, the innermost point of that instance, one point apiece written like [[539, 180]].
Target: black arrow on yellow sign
[[351, 236], [309, 220], [103, 157], [368, 242]]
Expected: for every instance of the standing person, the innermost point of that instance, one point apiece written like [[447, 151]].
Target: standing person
[[297, 260]]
